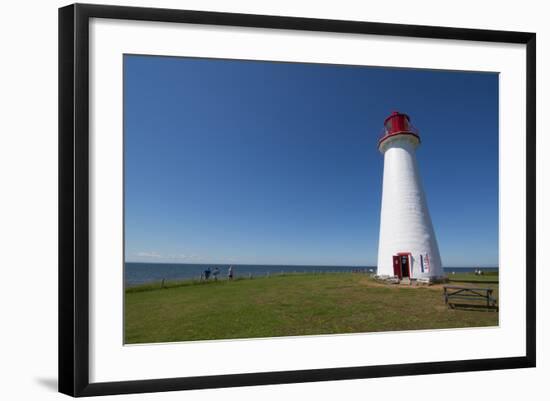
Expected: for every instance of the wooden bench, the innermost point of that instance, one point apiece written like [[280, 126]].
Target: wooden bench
[[454, 292]]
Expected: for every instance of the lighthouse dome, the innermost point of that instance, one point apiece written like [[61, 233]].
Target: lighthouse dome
[[398, 124]]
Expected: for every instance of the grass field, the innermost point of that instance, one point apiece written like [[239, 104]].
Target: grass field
[[491, 278], [290, 305]]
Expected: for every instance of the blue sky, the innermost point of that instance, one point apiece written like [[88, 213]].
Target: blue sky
[[276, 163]]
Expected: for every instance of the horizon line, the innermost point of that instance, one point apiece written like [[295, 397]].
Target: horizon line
[[304, 265]]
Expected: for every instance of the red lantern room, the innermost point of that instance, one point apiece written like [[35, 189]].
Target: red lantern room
[[398, 124]]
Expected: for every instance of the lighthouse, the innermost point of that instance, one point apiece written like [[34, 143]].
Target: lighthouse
[[407, 246]]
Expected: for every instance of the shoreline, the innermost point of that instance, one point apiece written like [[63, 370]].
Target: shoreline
[[461, 277]]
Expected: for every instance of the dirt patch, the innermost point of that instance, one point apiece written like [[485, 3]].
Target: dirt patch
[[369, 282]]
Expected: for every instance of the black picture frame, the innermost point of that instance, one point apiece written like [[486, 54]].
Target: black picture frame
[[74, 198]]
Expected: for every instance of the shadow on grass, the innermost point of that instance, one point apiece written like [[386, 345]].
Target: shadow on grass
[[473, 307]]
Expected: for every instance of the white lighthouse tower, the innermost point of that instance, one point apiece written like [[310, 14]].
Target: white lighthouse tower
[[407, 246]]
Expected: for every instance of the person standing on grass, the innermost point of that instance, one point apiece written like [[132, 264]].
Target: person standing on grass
[[215, 273], [207, 273], [230, 273]]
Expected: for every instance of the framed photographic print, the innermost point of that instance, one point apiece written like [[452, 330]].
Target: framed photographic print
[[251, 199]]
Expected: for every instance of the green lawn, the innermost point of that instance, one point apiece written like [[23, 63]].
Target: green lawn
[[491, 277], [289, 305]]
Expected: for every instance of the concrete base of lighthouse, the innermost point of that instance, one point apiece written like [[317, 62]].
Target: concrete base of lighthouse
[[411, 282]]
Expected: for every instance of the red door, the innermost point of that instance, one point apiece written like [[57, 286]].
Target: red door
[[397, 267]]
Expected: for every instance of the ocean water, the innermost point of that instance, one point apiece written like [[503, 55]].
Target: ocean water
[[141, 273]]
